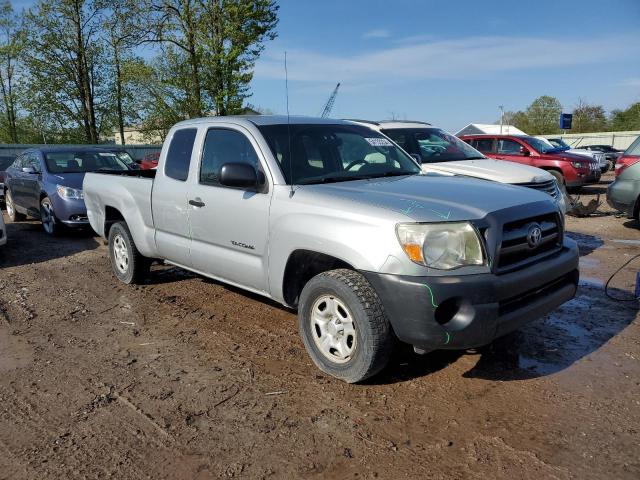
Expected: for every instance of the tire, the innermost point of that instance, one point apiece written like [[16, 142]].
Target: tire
[[50, 224], [356, 340], [14, 216], [128, 264]]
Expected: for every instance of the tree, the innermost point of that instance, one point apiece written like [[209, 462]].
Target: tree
[[543, 115], [68, 84], [233, 33], [518, 119], [11, 51], [629, 119], [123, 27], [213, 45], [588, 118]]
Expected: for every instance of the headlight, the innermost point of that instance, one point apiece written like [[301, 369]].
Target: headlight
[[68, 192], [441, 245], [579, 164]]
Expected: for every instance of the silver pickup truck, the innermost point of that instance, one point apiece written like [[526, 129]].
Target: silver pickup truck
[[334, 219]]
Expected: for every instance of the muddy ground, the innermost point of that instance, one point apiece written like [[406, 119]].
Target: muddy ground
[[187, 378]]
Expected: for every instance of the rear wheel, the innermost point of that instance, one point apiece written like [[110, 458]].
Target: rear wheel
[[129, 265], [50, 223], [343, 325], [14, 216]]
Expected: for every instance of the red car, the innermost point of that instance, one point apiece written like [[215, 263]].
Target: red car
[[150, 161], [574, 171]]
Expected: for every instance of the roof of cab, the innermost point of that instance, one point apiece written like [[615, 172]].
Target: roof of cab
[[260, 120], [73, 148]]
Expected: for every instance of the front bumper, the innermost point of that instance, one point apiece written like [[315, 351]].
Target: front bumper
[[465, 311], [72, 212], [622, 195], [593, 176]]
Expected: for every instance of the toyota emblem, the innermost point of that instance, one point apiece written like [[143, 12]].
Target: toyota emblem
[[534, 235]]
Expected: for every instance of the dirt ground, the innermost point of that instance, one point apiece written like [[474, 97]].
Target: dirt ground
[[187, 378]]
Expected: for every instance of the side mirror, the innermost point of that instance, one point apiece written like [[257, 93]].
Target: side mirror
[[416, 157], [28, 170], [239, 175], [524, 151]]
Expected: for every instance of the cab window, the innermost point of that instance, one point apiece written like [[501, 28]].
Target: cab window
[[179, 154]]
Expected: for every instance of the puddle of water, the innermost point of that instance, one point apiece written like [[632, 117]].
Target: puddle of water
[[627, 242], [575, 330], [590, 242]]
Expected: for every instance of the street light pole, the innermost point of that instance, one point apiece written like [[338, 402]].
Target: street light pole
[[501, 107]]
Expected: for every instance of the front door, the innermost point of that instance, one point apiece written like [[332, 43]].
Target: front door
[[31, 183], [512, 151], [229, 226]]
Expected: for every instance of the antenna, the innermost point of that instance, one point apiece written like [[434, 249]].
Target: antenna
[[286, 88]]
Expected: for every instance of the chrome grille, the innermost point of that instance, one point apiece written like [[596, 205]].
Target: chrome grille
[[515, 249], [549, 186]]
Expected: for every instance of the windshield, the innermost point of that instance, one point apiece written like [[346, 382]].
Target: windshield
[[543, 146], [634, 148], [434, 145], [333, 153], [82, 162]]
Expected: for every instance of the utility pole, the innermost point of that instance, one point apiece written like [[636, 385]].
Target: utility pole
[[501, 107]]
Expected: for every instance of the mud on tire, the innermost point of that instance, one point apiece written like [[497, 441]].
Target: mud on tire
[[357, 303]]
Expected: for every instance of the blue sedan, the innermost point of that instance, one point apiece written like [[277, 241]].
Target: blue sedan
[[46, 183]]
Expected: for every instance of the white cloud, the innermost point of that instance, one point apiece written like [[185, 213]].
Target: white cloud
[[630, 82], [447, 59], [377, 33]]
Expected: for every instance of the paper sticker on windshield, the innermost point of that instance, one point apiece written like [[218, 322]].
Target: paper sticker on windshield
[[379, 142], [105, 154]]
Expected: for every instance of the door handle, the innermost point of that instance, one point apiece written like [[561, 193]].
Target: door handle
[[196, 203]]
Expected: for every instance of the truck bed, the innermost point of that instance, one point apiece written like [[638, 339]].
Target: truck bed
[[112, 195]]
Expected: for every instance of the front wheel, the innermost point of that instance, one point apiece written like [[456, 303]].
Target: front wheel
[[129, 265], [48, 218], [343, 325], [14, 216]]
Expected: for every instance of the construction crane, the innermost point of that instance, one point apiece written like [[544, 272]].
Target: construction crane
[[329, 105]]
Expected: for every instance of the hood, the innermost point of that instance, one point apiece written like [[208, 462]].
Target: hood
[[495, 170], [73, 180], [424, 198]]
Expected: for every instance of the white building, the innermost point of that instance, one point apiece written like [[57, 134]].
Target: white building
[[486, 128]]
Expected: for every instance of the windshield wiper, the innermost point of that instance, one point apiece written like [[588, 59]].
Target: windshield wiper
[[390, 174], [327, 179], [474, 158]]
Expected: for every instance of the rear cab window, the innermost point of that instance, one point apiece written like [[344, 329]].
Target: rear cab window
[[178, 159]]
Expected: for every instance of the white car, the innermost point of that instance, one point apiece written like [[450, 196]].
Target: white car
[[601, 158], [444, 153], [3, 230]]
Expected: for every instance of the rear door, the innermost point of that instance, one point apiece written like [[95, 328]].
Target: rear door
[[169, 198], [14, 180], [485, 146], [229, 226]]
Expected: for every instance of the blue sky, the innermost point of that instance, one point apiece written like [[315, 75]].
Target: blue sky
[[449, 63]]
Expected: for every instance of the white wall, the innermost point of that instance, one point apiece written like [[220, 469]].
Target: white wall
[[620, 140]]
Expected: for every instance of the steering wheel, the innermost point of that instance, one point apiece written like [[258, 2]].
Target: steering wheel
[[354, 163]]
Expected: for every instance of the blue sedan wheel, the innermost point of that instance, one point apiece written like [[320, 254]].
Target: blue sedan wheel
[[48, 218]]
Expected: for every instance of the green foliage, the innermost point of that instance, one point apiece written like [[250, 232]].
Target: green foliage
[[628, 119], [543, 115], [589, 118]]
